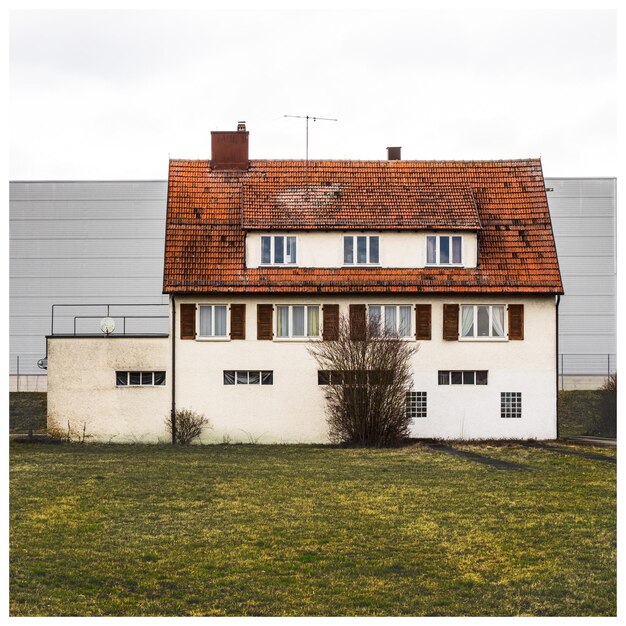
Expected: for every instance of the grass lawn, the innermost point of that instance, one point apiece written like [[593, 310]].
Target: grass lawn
[[306, 530], [27, 410]]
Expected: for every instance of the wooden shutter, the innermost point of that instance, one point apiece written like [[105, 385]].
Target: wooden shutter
[[187, 321], [451, 322], [516, 321], [357, 322], [264, 321], [330, 330], [423, 323], [237, 321]]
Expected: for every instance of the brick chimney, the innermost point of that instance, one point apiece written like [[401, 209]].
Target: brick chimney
[[393, 154], [229, 149]]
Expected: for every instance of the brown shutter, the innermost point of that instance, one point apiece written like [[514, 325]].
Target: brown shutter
[[330, 330], [187, 321], [264, 321], [451, 322], [237, 321], [423, 324], [357, 322], [516, 321]]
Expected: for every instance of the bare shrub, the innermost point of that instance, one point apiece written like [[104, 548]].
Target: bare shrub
[[189, 425], [611, 383], [367, 381]]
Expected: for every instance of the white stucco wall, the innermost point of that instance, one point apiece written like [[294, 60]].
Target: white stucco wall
[[81, 380], [325, 249], [82, 389], [292, 409]]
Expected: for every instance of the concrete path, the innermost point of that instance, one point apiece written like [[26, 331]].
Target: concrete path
[[569, 451], [595, 441], [478, 458]]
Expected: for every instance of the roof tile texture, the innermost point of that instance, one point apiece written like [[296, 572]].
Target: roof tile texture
[[208, 210]]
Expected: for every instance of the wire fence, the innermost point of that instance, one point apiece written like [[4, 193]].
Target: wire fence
[[586, 365]]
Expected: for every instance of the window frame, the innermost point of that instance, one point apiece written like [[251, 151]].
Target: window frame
[[236, 382], [475, 337], [141, 383], [447, 376], [225, 337], [438, 262], [355, 263], [411, 335], [272, 239], [511, 406], [420, 410], [305, 337]]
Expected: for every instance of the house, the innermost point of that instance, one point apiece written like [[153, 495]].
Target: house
[[262, 257]]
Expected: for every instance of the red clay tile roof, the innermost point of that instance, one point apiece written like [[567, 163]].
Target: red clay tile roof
[[205, 244], [280, 202]]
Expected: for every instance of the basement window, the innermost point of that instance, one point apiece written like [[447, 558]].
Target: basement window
[[416, 404], [139, 379], [248, 377], [462, 377], [511, 404]]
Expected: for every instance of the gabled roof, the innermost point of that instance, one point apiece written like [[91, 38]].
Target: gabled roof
[[283, 202], [208, 212]]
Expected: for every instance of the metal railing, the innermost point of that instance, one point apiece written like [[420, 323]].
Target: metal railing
[[116, 316]]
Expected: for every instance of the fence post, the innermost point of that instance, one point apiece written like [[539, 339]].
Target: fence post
[[18, 372], [608, 366], [562, 381]]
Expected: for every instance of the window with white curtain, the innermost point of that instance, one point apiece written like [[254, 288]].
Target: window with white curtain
[[297, 321], [395, 319], [444, 250], [361, 250], [213, 321], [482, 321], [278, 250]]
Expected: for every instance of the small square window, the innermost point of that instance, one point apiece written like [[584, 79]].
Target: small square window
[[121, 379], [457, 378], [135, 378], [444, 378], [254, 378], [416, 404], [468, 378], [146, 378], [511, 404], [229, 377], [242, 378], [267, 378], [323, 377], [481, 377]]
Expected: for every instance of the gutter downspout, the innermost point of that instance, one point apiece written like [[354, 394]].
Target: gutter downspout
[[558, 300], [173, 411]]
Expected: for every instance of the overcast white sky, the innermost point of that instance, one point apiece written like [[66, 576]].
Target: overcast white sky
[[112, 95]]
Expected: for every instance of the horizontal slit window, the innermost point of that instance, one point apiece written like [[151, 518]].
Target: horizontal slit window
[[248, 377], [139, 379]]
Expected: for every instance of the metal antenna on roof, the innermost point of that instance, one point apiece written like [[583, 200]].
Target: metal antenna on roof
[[307, 118]]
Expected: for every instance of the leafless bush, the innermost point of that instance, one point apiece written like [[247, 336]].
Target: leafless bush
[[189, 425], [366, 385], [611, 383]]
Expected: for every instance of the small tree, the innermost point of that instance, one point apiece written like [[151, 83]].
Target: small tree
[[367, 383], [189, 425]]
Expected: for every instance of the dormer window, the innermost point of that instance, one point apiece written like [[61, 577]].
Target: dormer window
[[278, 250], [444, 250], [361, 250]]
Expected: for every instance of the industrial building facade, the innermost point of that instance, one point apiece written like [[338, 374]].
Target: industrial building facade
[[101, 243]]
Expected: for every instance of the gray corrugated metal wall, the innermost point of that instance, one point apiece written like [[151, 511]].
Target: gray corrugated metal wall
[[82, 242], [102, 241], [583, 214]]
